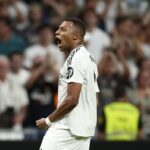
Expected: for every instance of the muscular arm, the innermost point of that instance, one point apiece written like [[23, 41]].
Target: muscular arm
[[71, 100]]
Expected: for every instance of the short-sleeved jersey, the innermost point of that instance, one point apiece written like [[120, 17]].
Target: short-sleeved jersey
[[80, 67]]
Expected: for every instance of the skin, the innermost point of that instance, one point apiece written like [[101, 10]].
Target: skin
[[4, 68], [70, 38]]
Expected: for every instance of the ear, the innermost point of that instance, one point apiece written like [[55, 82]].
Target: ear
[[75, 36]]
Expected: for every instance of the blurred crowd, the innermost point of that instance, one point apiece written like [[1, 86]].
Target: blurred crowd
[[118, 36]]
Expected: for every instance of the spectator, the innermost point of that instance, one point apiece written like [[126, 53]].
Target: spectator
[[98, 39], [4, 8], [125, 53], [9, 41], [121, 121], [42, 92], [134, 7], [45, 47], [61, 9], [146, 42], [18, 73], [13, 106], [109, 77], [43, 60], [34, 21], [22, 76], [108, 11], [140, 96], [145, 65], [18, 12]]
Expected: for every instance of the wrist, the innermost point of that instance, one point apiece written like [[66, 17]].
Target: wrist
[[48, 122]]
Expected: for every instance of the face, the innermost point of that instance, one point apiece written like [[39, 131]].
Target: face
[[3, 28], [144, 80], [126, 27], [65, 36], [16, 62], [146, 65], [90, 18], [46, 35], [35, 14]]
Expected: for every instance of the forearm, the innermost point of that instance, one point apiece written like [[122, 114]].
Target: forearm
[[62, 110], [20, 116], [35, 74]]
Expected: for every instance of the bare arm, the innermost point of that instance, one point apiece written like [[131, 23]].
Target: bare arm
[[71, 101], [20, 116], [35, 74]]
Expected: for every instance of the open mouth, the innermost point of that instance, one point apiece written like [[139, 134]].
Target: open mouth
[[58, 40]]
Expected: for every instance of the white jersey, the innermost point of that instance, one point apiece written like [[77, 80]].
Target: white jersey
[[80, 67]]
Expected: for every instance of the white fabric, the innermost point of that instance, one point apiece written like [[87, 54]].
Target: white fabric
[[19, 6], [111, 13], [38, 50], [96, 43], [12, 95], [62, 139], [146, 50], [82, 69], [21, 77]]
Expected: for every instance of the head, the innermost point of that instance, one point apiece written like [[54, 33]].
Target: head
[[35, 12], [122, 46], [4, 67], [145, 65], [16, 59], [143, 79], [4, 4], [120, 92], [70, 34], [124, 25], [108, 64], [45, 34], [90, 18], [4, 27]]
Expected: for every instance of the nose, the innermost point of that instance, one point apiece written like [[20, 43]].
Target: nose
[[57, 32]]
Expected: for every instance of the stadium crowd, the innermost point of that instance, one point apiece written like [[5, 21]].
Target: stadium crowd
[[118, 36]]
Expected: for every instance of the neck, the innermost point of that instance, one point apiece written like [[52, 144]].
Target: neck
[[122, 99], [73, 47], [45, 44], [90, 28]]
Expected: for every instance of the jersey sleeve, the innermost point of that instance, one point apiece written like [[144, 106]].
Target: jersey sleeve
[[76, 72], [96, 88]]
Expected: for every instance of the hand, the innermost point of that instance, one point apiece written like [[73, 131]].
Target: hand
[[40, 123]]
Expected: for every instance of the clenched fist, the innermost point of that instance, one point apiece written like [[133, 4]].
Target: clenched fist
[[40, 123]]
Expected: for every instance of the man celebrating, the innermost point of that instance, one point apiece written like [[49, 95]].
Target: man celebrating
[[72, 124]]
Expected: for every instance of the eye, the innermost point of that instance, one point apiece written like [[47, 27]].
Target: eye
[[63, 29]]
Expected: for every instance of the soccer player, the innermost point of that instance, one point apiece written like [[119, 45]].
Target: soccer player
[[72, 124]]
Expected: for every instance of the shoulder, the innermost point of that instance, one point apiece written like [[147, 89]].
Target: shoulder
[[133, 107]]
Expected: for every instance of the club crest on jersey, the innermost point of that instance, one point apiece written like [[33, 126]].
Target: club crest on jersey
[[70, 72]]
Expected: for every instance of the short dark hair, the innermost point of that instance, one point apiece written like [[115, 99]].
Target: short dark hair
[[121, 19], [120, 91], [10, 56], [78, 23]]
